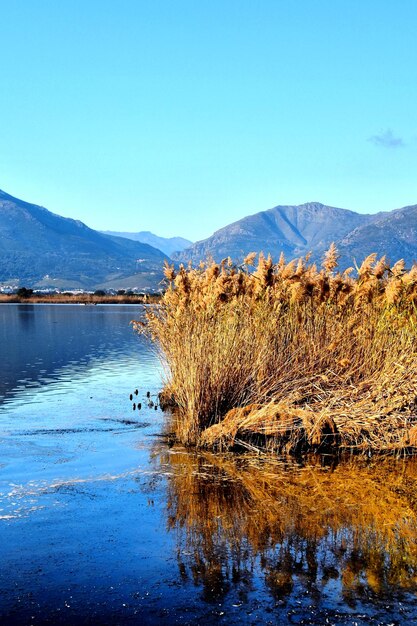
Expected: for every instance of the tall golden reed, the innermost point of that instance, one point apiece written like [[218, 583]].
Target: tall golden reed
[[289, 356]]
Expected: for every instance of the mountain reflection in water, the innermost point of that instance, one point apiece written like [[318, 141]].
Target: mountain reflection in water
[[312, 531]]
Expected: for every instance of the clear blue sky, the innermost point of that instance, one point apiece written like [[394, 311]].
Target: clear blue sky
[[180, 116]]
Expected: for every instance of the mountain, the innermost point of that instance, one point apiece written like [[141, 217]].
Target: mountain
[[393, 234], [41, 249], [166, 245], [294, 230]]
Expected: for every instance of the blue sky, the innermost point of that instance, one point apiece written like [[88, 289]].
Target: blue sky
[[181, 116]]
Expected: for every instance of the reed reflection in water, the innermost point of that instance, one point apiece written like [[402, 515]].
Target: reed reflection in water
[[313, 535]]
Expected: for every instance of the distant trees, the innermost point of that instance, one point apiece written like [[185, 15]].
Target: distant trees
[[22, 292], [99, 292]]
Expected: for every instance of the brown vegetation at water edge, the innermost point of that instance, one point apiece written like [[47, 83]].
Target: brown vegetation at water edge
[[81, 298], [290, 356], [355, 522]]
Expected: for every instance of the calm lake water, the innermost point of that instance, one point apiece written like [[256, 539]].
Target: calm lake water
[[101, 522]]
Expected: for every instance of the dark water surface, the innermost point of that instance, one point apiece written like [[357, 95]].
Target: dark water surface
[[102, 523]]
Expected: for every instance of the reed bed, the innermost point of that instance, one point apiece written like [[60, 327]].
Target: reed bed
[[82, 298], [289, 356]]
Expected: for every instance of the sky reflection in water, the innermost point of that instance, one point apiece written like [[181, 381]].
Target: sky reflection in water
[[101, 520]]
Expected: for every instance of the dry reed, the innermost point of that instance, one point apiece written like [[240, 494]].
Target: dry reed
[[289, 357], [81, 298]]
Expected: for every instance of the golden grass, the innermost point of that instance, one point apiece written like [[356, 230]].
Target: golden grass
[[289, 356]]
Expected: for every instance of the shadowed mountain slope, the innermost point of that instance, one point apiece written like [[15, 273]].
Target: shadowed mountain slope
[[393, 234], [40, 248], [311, 227], [294, 230]]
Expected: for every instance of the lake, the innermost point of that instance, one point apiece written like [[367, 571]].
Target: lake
[[102, 521]]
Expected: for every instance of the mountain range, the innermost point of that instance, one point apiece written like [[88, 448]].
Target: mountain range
[[168, 245], [312, 227], [41, 249]]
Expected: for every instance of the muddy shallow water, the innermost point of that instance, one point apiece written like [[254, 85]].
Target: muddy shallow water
[[101, 522]]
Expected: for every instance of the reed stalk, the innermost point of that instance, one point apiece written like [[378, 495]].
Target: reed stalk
[[288, 356]]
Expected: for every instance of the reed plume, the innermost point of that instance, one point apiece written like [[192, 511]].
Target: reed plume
[[290, 356]]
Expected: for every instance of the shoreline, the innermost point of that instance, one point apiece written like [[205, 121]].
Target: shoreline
[[86, 299]]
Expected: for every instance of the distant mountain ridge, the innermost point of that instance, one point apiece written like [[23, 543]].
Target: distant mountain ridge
[[41, 249], [393, 234], [167, 245], [297, 230]]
